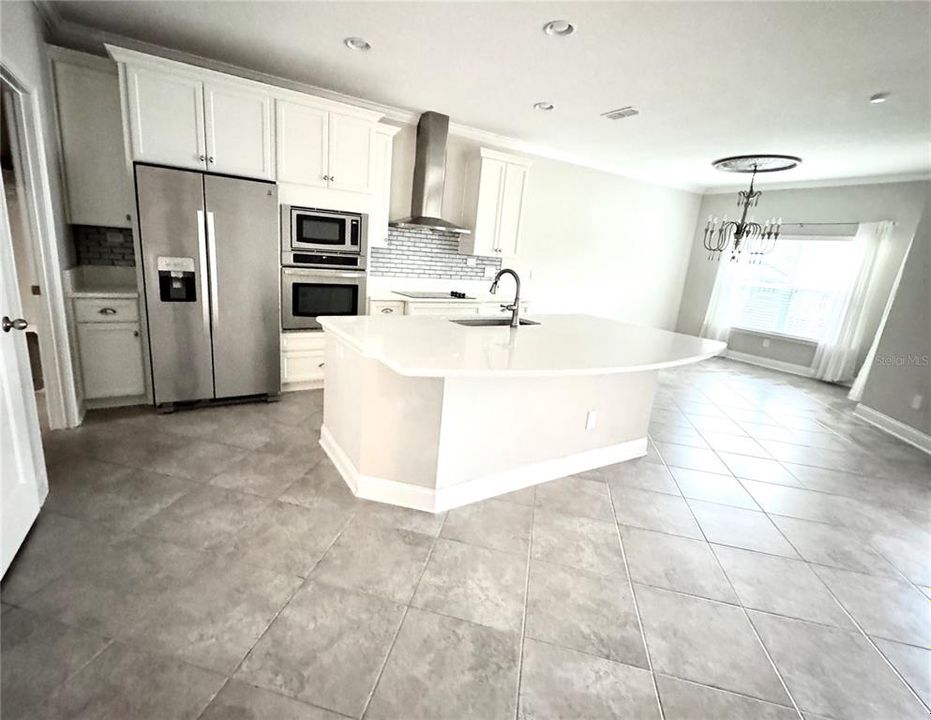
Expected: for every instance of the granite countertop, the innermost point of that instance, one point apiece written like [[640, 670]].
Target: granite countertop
[[559, 345]]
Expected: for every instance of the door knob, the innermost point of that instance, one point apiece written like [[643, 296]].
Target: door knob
[[17, 324]]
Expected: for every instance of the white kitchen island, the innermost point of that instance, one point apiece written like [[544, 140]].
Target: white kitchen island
[[429, 414]]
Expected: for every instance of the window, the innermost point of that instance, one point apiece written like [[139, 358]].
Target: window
[[793, 290]]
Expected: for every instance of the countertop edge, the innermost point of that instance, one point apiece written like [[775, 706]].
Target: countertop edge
[[407, 372]]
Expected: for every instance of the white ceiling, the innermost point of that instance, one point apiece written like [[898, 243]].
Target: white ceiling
[[710, 79]]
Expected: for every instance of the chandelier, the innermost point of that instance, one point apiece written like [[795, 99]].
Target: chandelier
[[746, 238]]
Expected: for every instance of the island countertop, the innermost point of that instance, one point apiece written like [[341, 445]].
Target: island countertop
[[560, 345]]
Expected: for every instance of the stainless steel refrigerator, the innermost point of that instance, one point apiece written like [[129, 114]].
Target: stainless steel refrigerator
[[210, 255]]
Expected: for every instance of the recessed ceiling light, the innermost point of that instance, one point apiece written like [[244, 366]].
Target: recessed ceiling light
[[879, 98], [356, 43], [543, 106], [560, 28]]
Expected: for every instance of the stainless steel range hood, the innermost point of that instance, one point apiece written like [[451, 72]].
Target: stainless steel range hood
[[430, 176]]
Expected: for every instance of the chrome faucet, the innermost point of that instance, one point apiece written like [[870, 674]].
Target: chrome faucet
[[515, 307]]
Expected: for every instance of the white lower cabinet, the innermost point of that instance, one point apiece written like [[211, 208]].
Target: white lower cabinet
[[111, 359], [302, 360]]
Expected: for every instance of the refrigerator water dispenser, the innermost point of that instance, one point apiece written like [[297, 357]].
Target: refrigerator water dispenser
[[176, 280]]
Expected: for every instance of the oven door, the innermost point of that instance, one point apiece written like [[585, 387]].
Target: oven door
[[323, 230], [307, 294]]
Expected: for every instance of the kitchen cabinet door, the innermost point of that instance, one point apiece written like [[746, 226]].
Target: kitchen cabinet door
[[98, 187], [166, 117], [381, 187], [488, 212], [511, 201], [351, 142], [111, 359], [302, 141], [238, 126]]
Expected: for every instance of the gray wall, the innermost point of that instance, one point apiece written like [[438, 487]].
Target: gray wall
[[902, 203], [590, 242], [781, 349], [902, 368]]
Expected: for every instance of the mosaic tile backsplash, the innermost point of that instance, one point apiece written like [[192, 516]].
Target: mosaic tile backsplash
[[426, 254], [103, 246]]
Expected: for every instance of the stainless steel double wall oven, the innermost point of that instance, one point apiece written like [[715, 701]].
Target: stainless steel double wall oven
[[323, 265]]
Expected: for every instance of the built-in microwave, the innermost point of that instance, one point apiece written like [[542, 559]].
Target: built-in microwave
[[313, 229], [307, 293]]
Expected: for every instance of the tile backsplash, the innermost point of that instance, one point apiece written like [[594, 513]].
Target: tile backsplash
[[426, 253], [103, 246]]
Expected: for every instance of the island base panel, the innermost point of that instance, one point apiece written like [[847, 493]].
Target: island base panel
[[438, 443]]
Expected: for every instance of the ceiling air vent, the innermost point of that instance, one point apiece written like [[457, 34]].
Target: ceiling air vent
[[620, 113]]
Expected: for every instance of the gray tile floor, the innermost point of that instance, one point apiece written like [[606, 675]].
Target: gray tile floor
[[769, 558]]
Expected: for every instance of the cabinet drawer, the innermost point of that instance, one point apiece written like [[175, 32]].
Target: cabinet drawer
[[442, 309], [104, 310], [302, 367], [312, 341], [386, 307]]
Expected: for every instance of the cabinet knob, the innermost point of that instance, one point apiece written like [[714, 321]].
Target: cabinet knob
[[387, 310], [326, 177], [135, 333], [210, 159], [128, 216], [321, 364], [201, 157]]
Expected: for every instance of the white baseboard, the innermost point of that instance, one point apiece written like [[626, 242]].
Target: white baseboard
[[768, 363], [298, 386], [899, 429], [434, 500]]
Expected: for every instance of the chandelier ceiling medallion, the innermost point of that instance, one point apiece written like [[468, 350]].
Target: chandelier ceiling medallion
[[746, 238]]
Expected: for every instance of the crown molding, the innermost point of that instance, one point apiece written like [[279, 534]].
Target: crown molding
[[88, 39], [827, 183]]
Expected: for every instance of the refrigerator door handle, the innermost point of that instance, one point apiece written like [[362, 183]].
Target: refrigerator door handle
[[214, 278], [204, 279]]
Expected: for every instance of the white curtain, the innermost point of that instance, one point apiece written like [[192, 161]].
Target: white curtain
[[836, 357], [723, 305]]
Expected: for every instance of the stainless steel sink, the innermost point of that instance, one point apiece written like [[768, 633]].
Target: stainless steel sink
[[491, 322]]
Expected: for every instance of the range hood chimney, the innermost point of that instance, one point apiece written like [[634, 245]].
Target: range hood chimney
[[430, 176]]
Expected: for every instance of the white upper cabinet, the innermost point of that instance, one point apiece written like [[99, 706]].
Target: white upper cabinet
[[238, 126], [495, 190], [323, 148], [87, 91], [192, 117], [381, 184], [351, 142], [166, 117], [302, 143]]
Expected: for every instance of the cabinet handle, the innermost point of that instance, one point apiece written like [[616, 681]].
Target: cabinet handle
[[326, 177], [210, 159], [321, 364], [332, 178], [387, 310], [135, 333], [201, 157], [107, 311]]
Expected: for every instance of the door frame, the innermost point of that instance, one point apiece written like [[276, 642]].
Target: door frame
[[54, 341]]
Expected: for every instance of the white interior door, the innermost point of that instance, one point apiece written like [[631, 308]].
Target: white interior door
[[23, 485]]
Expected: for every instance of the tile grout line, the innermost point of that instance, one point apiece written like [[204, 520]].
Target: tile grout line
[[304, 580], [407, 607], [633, 596], [523, 620], [746, 614], [859, 627]]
